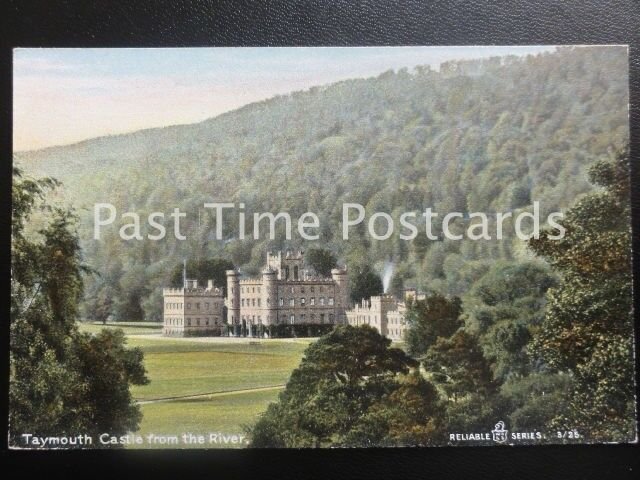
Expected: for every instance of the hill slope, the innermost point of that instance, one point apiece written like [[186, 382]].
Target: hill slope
[[488, 135]]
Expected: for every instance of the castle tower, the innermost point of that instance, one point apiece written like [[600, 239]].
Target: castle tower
[[270, 295], [289, 267], [233, 298], [343, 293]]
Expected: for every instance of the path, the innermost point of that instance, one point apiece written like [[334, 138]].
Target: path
[[212, 394]]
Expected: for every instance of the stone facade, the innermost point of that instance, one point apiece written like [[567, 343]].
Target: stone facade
[[193, 310], [384, 313], [286, 293]]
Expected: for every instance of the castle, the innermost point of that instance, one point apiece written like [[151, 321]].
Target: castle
[[286, 293], [384, 313], [193, 310]]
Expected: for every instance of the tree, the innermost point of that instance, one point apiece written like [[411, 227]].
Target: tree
[[61, 382], [458, 369], [587, 330], [535, 399], [365, 283], [351, 388], [505, 307], [321, 260], [435, 316], [203, 270]]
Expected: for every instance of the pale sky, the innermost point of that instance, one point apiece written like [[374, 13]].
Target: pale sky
[[63, 96]]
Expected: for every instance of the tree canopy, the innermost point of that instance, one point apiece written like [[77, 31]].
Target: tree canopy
[[61, 381]]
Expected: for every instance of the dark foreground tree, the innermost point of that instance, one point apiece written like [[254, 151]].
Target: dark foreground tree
[[505, 307], [587, 330], [436, 316], [61, 382], [457, 367], [351, 389]]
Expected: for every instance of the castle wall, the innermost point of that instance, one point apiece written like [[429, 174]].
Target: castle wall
[[383, 313], [193, 311]]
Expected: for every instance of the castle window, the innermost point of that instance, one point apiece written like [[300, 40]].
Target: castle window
[[197, 305], [292, 319], [259, 319], [312, 301], [301, 289], [253, 302], [295, 272], [189, 322], [198, 322], [281, 301], [331, 318], [321, 288], [242, 301], [188, 306], [206, 305], [302, 318], [330, 300], [312, 289], [302, 301], [258, 289], [292, 302], [322, 318], [292, 290], [268, 302], [253, 290], [284, 319], [321, 300], [258, 302], [207, 321]]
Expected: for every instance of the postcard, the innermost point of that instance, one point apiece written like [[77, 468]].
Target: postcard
[[321, 247]]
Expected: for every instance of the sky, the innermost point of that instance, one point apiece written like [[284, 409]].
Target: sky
[[62, 96]]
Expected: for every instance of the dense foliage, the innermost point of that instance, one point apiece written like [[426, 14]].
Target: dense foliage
[[548, 353], [588, 327], [351, 389], [62, 382]]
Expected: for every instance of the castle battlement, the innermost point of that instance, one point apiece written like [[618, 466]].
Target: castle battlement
[[193, 291], [270, 303], [384, 313]]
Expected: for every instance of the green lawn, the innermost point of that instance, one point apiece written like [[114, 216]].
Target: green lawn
[[223, 373], [183, 367], [220, 367], [227, 414], [129, 328]]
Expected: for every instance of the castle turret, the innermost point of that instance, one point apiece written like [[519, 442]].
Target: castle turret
[[270, 295], [233, 297], [343, 293]]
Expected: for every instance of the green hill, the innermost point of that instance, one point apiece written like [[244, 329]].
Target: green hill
[[484, 135]]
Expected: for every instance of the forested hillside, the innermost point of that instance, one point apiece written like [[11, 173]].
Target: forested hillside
[[485, 135]]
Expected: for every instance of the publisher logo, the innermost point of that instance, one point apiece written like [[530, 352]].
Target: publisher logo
[[499, 432]]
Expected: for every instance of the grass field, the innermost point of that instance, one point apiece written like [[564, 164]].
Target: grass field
[[234, 380]]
